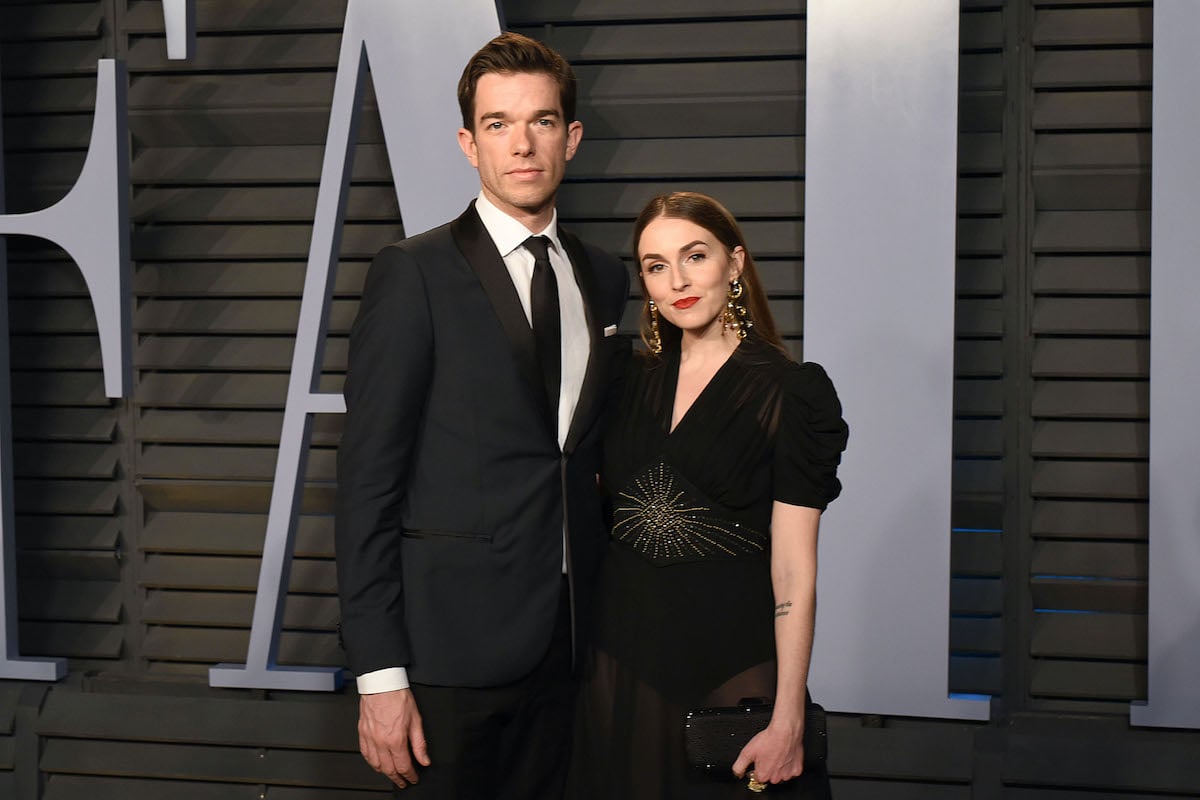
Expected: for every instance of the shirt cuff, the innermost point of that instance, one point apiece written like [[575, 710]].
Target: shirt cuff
[[391, 679]]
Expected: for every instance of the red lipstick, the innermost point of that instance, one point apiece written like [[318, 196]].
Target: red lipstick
[[686, 302]]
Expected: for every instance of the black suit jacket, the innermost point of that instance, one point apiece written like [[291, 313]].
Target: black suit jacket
[[452, 490]]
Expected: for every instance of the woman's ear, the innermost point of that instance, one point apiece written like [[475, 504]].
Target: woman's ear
[[738, 262]]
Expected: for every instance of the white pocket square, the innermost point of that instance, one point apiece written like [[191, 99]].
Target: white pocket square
[[610, 330]]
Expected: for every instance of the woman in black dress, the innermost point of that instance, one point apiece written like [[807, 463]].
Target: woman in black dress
[[721, 454]]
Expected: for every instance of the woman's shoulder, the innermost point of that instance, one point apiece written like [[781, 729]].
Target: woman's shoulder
[[808, 376], [758, 354], [803, 384], [808, 384]]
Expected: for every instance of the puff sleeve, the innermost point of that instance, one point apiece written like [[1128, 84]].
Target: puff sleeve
[[810, 438]]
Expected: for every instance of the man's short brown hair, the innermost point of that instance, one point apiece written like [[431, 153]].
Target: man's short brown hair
[[512, 53]]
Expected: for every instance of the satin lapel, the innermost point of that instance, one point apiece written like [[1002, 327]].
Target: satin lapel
[[481, 254], [589, 394]]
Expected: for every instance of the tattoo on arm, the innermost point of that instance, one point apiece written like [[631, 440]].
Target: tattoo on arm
[[783, 609]]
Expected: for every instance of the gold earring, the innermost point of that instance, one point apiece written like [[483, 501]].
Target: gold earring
[[655, 338], [735, 317]]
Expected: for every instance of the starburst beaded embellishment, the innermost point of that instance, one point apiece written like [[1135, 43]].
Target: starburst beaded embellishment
[[661, 518]]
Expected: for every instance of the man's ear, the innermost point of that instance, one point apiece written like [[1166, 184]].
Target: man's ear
[[574, 135], [466, 143]]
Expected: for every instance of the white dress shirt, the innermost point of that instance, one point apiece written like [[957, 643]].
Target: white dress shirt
[[509, 236]]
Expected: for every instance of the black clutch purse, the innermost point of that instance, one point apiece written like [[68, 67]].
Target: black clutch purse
[[713, 737]]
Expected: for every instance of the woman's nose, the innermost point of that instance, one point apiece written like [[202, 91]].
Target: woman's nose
[[678, 279]]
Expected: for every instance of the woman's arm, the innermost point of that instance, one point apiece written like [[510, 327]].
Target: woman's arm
[[777, 753]]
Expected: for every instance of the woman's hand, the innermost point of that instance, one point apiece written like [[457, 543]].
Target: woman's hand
[[777, 753]]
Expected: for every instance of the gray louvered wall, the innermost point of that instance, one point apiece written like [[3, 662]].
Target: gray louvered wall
[[140, 521], [977, 513], [72, 461], [1090, 324]]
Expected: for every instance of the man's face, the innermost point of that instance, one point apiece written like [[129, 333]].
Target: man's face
[[521, 143]]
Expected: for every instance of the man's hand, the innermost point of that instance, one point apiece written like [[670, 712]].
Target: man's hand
[[389, 725]]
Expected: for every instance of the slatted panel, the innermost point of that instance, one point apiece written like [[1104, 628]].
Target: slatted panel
[[873, 752], [9, 696], [208, 747], [1025, 793], [226, 158], [68, 459], [1090, 322], [1076, 757], [224, 196], [976, 627], [686, 62], [850, 789]]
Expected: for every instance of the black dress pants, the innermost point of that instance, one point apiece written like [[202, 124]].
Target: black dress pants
[[508, 742]]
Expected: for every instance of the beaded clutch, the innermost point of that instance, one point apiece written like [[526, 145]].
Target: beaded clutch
[[713, 737]]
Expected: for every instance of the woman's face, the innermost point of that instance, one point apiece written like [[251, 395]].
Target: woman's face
[[687, 272]]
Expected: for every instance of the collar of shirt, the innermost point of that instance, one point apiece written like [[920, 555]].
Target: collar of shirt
[[506, 232]]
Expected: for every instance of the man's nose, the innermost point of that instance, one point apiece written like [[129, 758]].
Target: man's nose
[[522, 142]]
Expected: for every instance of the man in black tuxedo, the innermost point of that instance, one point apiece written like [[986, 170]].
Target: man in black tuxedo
[[469, 523]]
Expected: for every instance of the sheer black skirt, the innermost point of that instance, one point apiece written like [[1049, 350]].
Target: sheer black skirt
[[670, 640]]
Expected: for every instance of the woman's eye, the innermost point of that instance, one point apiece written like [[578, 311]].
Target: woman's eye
[[656, 268], [695, 257]]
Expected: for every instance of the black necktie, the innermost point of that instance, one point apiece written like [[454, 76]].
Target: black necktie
[[547, 326]]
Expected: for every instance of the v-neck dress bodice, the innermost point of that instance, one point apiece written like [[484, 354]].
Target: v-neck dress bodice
[[685, 600], [764, 428]]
